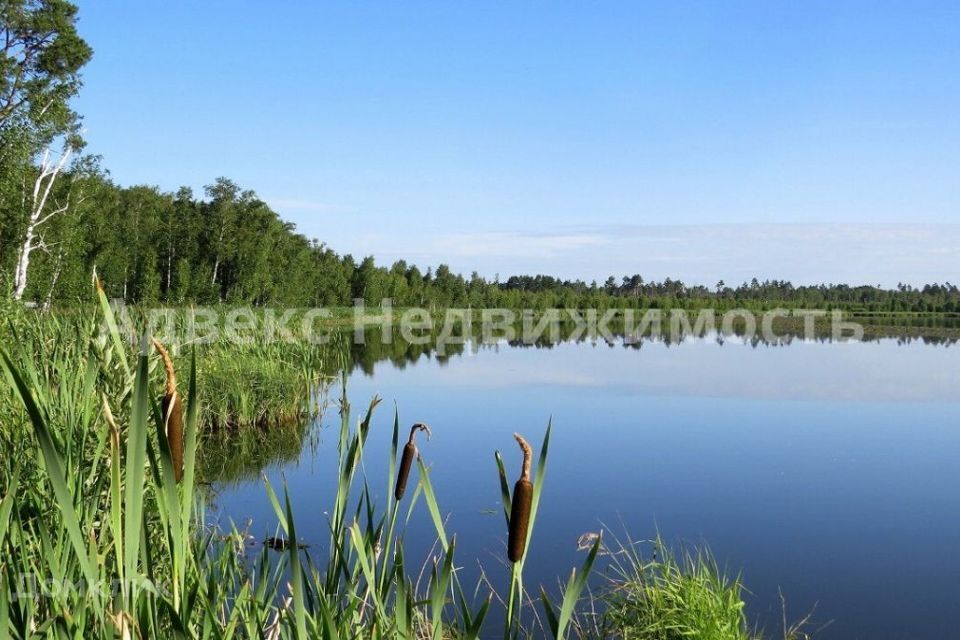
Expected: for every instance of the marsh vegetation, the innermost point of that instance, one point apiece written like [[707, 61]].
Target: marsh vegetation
[[93, 513]]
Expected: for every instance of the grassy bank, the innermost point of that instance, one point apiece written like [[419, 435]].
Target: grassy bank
[[249, 380]]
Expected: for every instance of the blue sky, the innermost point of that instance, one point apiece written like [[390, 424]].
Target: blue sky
[[814, 141]]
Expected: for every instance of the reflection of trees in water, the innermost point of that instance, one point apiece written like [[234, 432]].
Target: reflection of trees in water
[[238, 455], [399, 351], [430, 346], [919, 322]]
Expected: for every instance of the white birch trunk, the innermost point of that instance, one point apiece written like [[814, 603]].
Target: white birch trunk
[[53, 283], [38, 202], [216, 262]]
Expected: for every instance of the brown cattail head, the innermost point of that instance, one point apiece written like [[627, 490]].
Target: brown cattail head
[[167, 365], [521, 504], [406, 461], [172, 412]]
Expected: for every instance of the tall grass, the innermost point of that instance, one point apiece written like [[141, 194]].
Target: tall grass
[[672, 597], [248, 381], [260, 385], [99, 540]]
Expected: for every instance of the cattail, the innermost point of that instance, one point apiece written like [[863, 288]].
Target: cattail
[[520, 509], [172, 412], [409, 451]]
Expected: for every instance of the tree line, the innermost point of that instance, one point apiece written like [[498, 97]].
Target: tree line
[[62, 219]]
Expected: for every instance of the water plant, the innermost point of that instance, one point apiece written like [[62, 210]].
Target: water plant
[[520, 506], [672, 596], [406, 462], [172, 412]]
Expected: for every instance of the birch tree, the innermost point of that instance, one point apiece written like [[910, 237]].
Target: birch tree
[[41, 55], [41, 209], [223, 194]]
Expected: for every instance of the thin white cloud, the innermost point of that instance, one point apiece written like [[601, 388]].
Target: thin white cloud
[[519, 244], [803, 253]]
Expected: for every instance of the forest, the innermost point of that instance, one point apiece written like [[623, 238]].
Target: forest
[[62, 219], [152, 247]]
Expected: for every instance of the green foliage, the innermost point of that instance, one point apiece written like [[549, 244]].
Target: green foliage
[[260, 385], [39, 70], [671, 598], [151, 247]]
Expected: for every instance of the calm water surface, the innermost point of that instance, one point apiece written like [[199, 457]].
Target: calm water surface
[[827, 471]]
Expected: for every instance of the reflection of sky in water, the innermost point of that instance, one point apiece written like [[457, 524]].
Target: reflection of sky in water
[[880, 370], [827, 470]]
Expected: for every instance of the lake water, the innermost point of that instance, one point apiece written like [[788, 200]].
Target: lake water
[[827, 471]]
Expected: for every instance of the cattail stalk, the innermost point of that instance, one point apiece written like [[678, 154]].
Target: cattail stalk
[[172, 412], [406, 461], [521, 504]]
